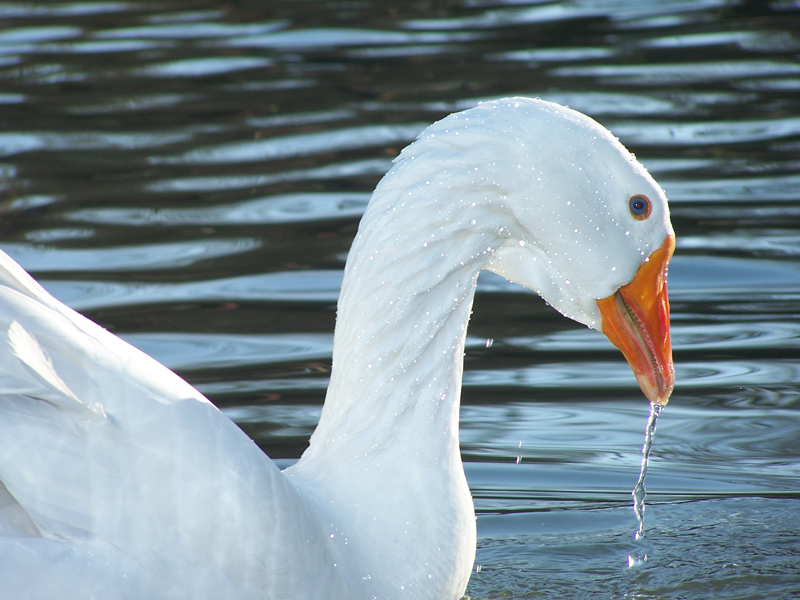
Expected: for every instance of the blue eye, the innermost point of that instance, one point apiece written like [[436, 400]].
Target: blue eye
[[639, 206]]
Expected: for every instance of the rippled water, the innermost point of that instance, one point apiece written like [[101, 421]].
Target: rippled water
[[191, 174]]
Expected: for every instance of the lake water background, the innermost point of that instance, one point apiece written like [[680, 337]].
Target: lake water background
[[191, 174]]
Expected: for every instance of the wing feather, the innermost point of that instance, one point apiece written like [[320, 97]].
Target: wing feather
[[103, 447]]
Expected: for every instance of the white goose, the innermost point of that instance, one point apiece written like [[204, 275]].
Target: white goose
[[119, 480]]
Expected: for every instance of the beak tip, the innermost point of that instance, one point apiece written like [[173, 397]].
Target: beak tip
[[656, 392], [663, 397]]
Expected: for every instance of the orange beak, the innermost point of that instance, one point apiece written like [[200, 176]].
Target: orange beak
[[636, 320]]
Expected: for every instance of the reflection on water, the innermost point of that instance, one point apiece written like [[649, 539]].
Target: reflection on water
[[287, 208], [278, 148], [125, 258], [304, 286], [191, 176]]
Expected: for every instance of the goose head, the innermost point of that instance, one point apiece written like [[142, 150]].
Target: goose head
[[576, 218]]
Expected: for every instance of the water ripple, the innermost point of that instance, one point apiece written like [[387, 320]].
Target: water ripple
[[577, 374], [290, 119], [130, 103], [200, 67], [764, 439], [287, 208], [773, 243], [18, 142], [6, 98], [604, 103], [547, 13], [43, 236], [730, 132], [63, 9], [737, 336], [759, 41], [717, 336], [755, 189], [277, 148], [233, 387], [360, 168], [192, 351], [383, 52], [725, 274], [27, 203], [104, 46], [290, 286], [306, 39], [555, 54], [731, 374], [126, 258], [601, 375], [184, 30], [37, 34], [673, 74]]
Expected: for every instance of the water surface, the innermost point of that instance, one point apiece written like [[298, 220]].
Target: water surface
[[191, 175]]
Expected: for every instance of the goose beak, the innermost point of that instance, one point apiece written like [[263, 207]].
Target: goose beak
[[636, 320]]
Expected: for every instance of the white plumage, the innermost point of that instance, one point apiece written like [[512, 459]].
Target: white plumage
[[119, 480]]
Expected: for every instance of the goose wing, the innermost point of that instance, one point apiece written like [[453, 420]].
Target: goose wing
[[115, 472]]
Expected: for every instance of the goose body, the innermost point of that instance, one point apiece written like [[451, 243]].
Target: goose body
[[119, 480]]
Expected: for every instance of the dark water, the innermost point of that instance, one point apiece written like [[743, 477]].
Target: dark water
[[191, 174]]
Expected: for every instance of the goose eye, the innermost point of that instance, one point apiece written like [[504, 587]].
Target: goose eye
[[639, 206]]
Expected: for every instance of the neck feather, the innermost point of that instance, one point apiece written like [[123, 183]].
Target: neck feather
[[402, 318]]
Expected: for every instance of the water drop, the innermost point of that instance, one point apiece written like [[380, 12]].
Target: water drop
[[636, 561], [489, 342]]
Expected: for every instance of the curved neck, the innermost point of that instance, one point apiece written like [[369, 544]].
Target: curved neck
[[398, 347], [402, 320], [385, 456]]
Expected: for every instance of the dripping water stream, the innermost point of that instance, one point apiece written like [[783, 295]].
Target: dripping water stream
[[639, 491]]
